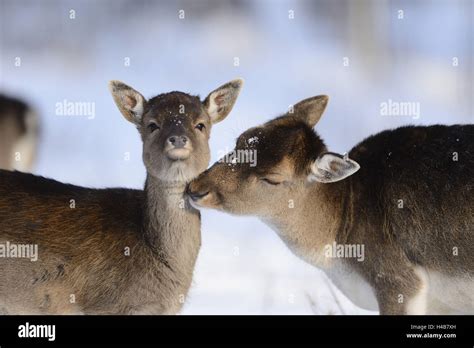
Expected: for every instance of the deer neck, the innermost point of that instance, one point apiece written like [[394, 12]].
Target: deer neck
[[310, 221], [172, 226]]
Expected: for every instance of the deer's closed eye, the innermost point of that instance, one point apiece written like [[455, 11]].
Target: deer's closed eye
[[153, 127], [271, 182]]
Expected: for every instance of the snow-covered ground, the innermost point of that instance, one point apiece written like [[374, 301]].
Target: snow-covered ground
[[243, 267]]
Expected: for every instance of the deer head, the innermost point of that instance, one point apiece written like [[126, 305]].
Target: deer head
[[290, 156], [175, 127]]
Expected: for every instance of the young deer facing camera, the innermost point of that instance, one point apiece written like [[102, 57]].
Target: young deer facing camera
[[18, 134], [116, 251], [392, 223]]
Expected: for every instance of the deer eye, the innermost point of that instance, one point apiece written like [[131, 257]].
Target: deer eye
[[268, 181], [153, 127], [200, 126]]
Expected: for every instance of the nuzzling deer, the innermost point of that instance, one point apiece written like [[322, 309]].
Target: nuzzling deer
[[113, 251], [19, 133], [392, 223]]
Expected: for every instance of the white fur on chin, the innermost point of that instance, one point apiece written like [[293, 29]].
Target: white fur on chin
[[179, 172]]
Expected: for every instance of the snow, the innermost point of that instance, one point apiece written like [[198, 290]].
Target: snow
[[253, 140]]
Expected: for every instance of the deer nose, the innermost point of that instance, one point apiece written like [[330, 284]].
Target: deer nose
[[195, 195], [178, 141]]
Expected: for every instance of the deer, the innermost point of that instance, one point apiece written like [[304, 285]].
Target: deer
[[19, 134], [391, 222], [75, 250]]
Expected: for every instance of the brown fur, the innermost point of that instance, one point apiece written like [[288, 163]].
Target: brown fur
[[112, 251], [401, 244]]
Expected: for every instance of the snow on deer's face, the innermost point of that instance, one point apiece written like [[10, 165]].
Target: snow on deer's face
[[268, 164], [271, 164], [175, 127]]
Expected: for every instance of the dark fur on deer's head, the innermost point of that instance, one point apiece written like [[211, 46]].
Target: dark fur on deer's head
[[175, 127], [288, 152]]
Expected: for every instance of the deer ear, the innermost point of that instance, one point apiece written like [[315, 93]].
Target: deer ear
[[310, 110], [130, 102], [332, 167], [220, 102]]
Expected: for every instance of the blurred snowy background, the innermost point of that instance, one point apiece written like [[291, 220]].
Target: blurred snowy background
[[360, 53]]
